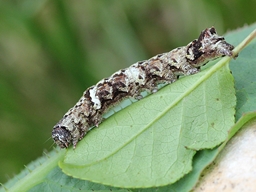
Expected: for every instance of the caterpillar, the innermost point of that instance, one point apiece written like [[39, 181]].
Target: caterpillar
[[130, 82]]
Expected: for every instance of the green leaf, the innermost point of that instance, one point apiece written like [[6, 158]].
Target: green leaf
[[201, 160], [152, 142], [205, 157], [243, 70], [55, 181]]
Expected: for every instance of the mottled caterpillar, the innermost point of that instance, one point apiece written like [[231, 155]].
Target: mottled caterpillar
[[139, 77]]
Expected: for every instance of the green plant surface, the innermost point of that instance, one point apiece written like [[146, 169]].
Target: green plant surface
[[205, 157], [152, 142], [56, 180], [243, 70]]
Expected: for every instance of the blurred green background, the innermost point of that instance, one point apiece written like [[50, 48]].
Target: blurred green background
[[52, 50]]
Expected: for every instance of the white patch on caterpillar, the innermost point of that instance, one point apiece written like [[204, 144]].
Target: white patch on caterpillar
[[94, 98]]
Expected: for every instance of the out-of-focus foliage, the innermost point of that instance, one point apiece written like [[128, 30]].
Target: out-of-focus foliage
[[51, 51]]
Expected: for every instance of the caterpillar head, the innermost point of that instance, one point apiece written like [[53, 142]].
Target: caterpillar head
[[61, 136]]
